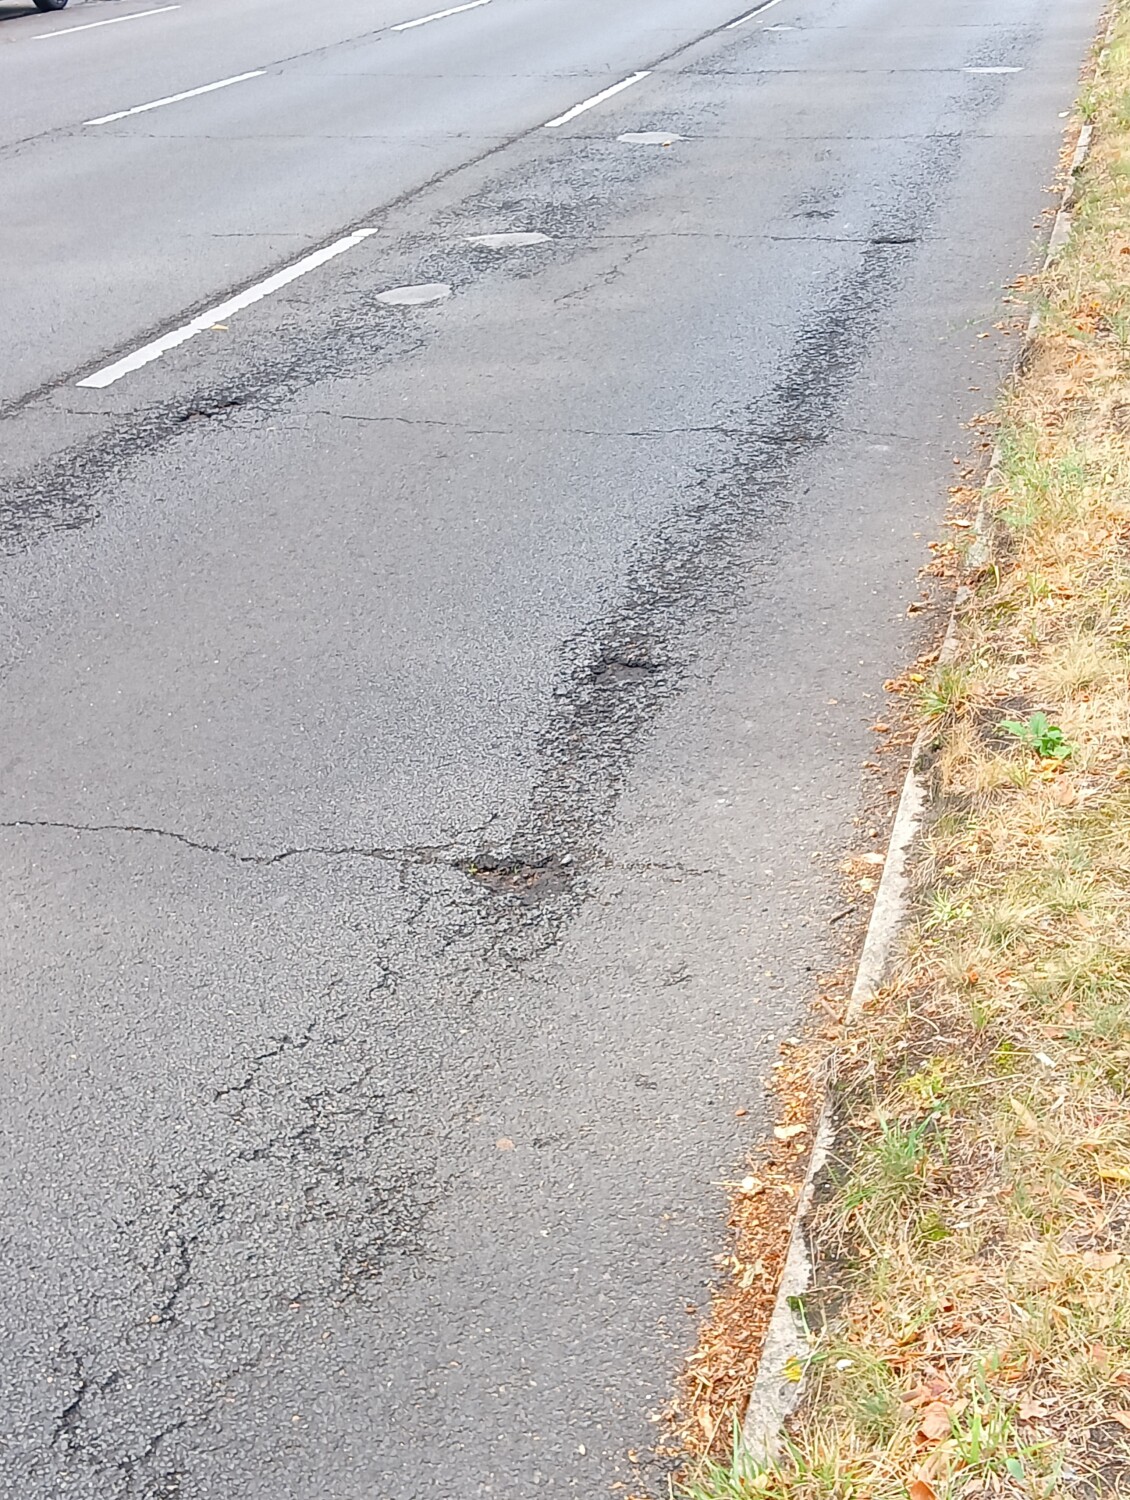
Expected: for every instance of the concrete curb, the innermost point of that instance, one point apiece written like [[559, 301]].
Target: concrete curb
[[777, 1391]]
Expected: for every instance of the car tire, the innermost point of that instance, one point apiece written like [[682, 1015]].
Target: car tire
[[50, 4]]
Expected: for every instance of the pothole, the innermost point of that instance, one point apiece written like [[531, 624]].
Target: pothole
[[620, 668], [504, 241], [528, 880], [415, 296], [204, 413]]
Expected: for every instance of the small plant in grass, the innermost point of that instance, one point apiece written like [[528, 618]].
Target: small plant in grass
[[944, 909], [947, 693], [1039, 734], [740, 1477], [894, 1170], [989, 1445]]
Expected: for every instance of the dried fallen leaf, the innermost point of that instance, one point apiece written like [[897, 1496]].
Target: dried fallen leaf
[[1031, 1409], [789, 1132], [1028, 1121], [1104, 1260], [1122, 1418], [934, 1424], [921, 1489]]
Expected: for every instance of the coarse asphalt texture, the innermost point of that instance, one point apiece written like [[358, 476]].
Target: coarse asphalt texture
[[425, 725]]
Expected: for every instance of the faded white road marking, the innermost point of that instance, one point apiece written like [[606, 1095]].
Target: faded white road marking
[[138, 15], [415, 296], [649, 138], [749, 15], [438, 15], [993, 70], [513, 237], [579, 109], [207, 88], [149, 352]]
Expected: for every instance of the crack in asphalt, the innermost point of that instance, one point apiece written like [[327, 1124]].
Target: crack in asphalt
[[707, 429], [420, 854], [311, 1129]]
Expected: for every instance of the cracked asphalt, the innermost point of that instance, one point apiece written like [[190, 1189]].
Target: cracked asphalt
[[429, 732]]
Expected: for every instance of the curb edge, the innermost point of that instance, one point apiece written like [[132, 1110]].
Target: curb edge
[[774, 1396]]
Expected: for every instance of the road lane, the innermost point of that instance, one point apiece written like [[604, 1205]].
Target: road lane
[[421, 750], [188, 204]]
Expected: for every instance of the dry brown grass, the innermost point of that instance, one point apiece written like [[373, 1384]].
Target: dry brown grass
[[971, 1317]]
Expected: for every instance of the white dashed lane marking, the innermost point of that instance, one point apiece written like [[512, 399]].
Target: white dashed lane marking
[[438, 15], [579, 109], [149, 352], [137, 15], [207, 88]]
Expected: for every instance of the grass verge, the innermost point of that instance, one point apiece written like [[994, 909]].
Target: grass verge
[[971, 1308]]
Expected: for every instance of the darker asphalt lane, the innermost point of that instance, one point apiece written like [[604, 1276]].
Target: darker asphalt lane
[[428, 729]]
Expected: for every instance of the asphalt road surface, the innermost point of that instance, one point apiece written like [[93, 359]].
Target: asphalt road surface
[[429, 727]]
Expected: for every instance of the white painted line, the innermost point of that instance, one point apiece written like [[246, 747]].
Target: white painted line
[[579, 109], [149, 352], [207, 88], [993, 70], [138, 15], [749, 15], [438, 15]]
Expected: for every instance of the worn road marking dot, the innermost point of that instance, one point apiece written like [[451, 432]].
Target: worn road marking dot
[[993, 70], [415, 296], [501, 241], [649, 138]]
